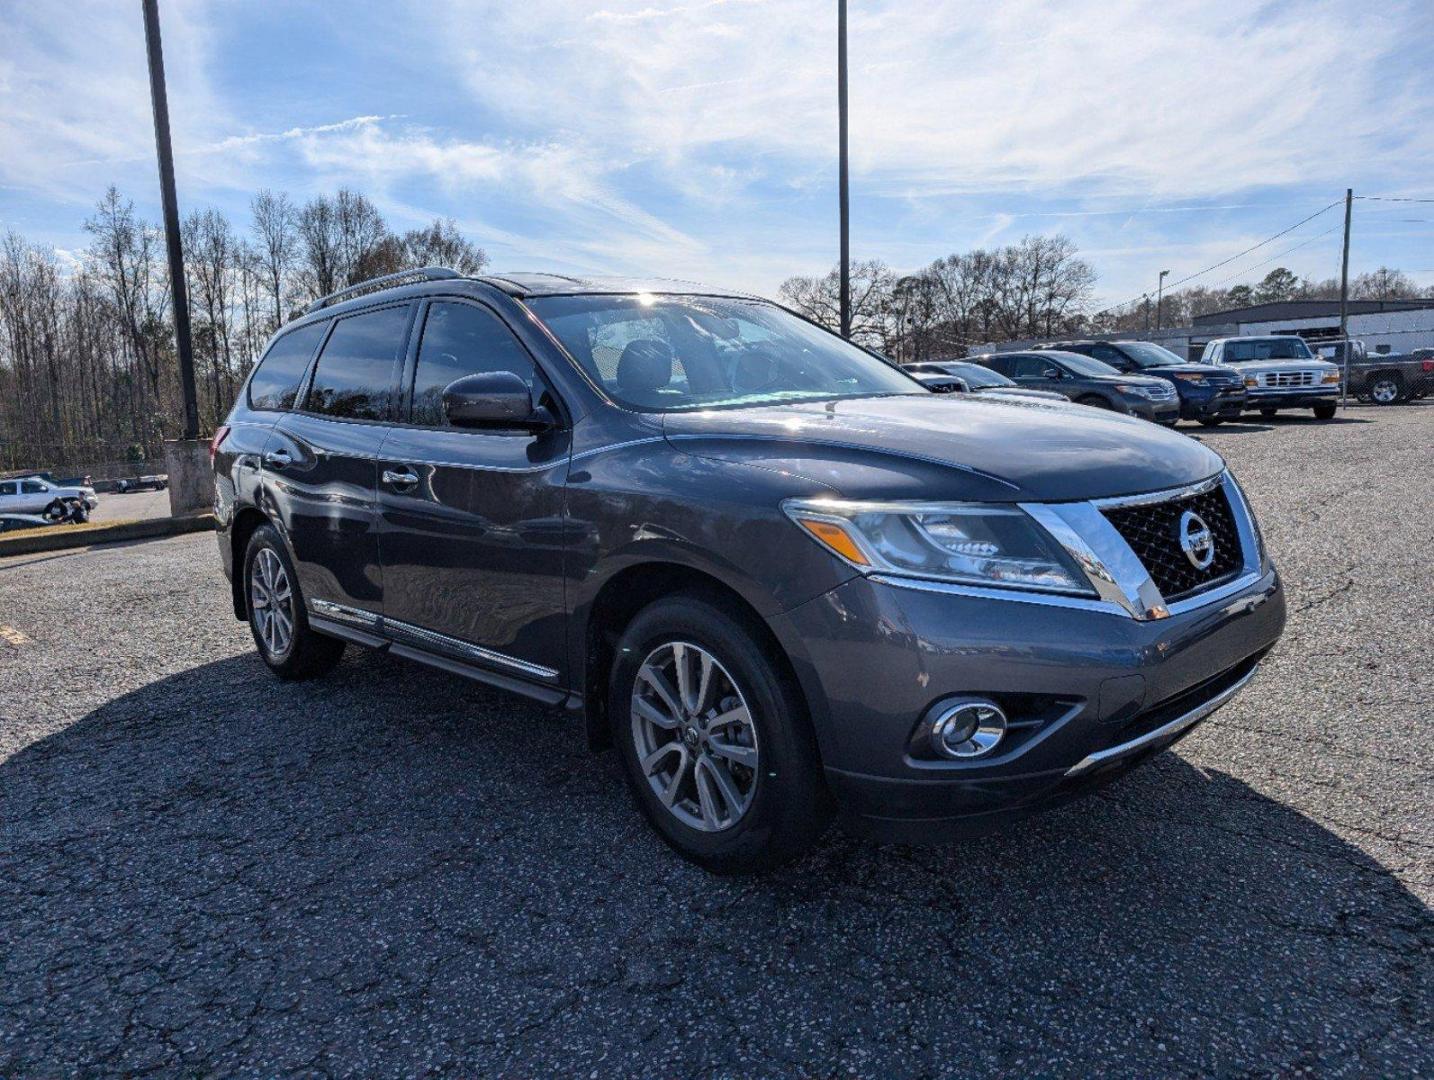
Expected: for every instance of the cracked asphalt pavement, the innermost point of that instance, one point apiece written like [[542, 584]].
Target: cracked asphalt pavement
[[393, 871]]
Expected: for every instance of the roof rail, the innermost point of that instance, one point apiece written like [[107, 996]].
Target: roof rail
[[426, 273]]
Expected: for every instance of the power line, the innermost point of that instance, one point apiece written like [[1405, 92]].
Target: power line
[[1391, 198], [1274, 258], [1232, 258]]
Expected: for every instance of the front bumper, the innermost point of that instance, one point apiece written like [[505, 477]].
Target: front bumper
[[876, 655], [1159, 412], [1304, 397], [1198, 403]]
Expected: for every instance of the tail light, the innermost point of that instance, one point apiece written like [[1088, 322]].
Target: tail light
[[219, 435], [1428, 366]]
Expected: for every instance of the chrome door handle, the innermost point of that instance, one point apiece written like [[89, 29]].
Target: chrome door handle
[[400, 478], [277, 459]]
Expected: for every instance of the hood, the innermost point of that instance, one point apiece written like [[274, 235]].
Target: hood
[[1020, 392], [1017, 449], [1250, 367], [1211, 370]]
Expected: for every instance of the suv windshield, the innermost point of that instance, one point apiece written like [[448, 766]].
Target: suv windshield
[[664, 353], [1149, 355], [1277, 348]]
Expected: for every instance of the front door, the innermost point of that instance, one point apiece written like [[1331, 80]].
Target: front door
[[472, 533], [321, 463]]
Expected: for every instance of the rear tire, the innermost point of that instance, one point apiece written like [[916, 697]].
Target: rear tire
[[277, 617], [765, 800], [1386, 389], [1324, 412]]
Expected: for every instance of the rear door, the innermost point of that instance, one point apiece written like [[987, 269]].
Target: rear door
[[473, 528], [320, 462]]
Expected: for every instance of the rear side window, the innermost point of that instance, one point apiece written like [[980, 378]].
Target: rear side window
[[275, 384], [1028, 367], [8, 489], [355, 376], [459, 340]]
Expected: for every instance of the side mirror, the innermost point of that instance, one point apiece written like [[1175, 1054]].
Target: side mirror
[[1053, 373], [497, 399]]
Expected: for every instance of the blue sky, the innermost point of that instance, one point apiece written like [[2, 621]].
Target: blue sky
[[696, 139]]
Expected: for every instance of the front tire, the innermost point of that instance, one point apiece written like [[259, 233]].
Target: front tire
[[1095, 401], [1325, 412], [715, 740], [277, 617], [1268, 413], [1211, 421]]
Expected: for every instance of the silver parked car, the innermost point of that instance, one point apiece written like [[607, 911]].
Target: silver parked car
[[36, 495]]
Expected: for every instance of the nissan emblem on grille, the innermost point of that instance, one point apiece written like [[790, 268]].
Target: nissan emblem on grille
[[1196, 540]]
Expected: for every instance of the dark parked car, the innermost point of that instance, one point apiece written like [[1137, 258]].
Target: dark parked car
[[1383, 378], [1207, 393], [1089, 381], [778, 574], [961, 376]]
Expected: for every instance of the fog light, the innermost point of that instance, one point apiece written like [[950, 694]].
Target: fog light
[[968, 728]]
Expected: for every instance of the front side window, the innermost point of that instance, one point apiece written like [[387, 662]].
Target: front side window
[[355, 376], [32, 487], [276, 381], [1030, 367], [1278, 348], [459, 340], [667, 353]]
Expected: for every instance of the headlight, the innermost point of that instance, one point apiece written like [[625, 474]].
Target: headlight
[[1251, 380], [1188, 376], [1331, 377], [975, 543], [1138, 391]]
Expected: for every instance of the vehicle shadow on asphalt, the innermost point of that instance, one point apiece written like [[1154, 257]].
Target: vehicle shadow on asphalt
[[392, 870]]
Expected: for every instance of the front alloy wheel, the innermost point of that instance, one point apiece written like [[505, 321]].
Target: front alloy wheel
[[695, 738], [271, 599]]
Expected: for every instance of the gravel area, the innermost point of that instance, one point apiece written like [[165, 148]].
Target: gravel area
[[394, 872]]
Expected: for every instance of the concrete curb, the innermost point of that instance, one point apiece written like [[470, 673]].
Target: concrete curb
[[57, 537]]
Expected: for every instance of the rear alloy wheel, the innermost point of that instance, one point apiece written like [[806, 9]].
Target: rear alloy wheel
[[1386, 390], [276, 612], [715, 740]]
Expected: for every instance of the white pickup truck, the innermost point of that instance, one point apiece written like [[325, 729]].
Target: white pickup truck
[[1280, 373], [36, 495]]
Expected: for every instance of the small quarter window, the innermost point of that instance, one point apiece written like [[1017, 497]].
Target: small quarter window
[[275, 383]]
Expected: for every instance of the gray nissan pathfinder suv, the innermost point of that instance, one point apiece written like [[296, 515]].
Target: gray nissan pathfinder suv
[[778, 575]]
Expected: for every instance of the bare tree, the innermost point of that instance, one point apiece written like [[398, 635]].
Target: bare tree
[[819, 300], [276, 238], [441, 244]]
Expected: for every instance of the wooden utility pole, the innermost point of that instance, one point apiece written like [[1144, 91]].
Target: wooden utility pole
[[170, 205], [842, 196], [1344, 297]]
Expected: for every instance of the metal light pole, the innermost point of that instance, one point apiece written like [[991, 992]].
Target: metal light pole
[[1159, 296], [842, 195], [1344, 297], [171, 218]]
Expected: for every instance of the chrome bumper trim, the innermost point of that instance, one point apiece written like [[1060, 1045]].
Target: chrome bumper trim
[[1164, 731]]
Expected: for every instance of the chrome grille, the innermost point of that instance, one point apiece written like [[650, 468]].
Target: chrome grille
[[1153, 533], [1282, 379]]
